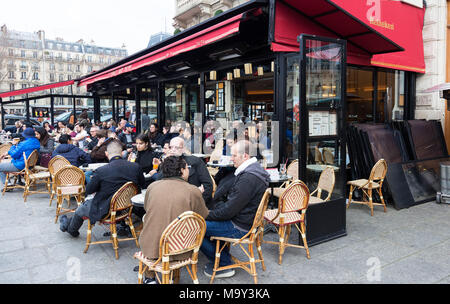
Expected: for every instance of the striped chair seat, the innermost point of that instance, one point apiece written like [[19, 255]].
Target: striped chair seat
[[158, 267], [289, 218], [68, 190], [278, 191], [40, 168], [39, 175], [361, 182]]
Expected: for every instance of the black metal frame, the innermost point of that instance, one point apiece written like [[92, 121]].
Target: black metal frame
[[334, 211]]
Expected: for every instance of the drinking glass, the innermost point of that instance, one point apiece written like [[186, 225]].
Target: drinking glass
[[282, 169]]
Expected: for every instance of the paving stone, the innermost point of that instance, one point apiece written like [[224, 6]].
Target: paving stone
[[13, 245], [21, 276]]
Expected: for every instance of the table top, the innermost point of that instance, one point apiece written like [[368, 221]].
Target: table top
[[93, 167], [138, 200], [220, 165], [280, 179], [320, 168], [201, 155]]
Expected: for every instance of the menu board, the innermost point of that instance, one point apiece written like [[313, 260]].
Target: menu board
[[322, 123]]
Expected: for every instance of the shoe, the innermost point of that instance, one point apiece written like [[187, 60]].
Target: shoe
[[149, 281], [124, 231], [227, 273], [63, 223], [136, 268]]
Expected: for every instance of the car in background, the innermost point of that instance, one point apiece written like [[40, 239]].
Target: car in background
[[65, 117], [10, 120]]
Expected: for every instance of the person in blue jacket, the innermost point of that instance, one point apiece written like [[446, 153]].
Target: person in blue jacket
[[72, 153], [17, 163]]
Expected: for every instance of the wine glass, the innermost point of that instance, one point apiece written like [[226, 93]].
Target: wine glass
[[282, 169]]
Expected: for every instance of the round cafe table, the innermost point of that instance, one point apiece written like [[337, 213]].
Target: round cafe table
[[93, 167], [138, 200]]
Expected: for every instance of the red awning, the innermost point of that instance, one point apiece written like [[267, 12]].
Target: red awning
[[36, 89], [212, 34], [324, 18], [402, 23]]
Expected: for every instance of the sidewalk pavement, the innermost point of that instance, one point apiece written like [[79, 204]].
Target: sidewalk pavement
[[409, 246]]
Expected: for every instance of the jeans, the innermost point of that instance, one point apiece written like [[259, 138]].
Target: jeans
[[75, 222], [6, 167], [222, 228], [88, 176]]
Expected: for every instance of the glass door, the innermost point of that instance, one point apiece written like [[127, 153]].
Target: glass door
[[322, 107]]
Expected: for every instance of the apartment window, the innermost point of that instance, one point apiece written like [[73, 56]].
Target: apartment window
[[61, 67], [10, 52], [50, 55], [22, 53], [22, 43], [69, 67], [60, 55], [101, 60], [61, 77], [90, 68], [24, 85], [69, 77], [109, 60], [35, 76], [23, 65], [69, 57], [89, 58], [35, 55], [11, 87], [52, 66], [23, 75], [77, 57], [78, 68], [11, 75], [52, 77]]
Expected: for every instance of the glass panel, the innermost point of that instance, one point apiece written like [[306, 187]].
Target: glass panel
[[176, 103], [359, 95], [149, 111], [323, 90], [391, 96], [292, 107]]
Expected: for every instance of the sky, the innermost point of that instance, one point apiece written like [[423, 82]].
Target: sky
[[109, 23]]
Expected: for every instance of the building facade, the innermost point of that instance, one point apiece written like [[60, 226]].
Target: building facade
[[191, 12], [30, 59]]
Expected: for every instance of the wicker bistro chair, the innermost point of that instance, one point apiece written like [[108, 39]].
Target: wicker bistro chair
[[294, 199], [120, 209], [33, 177], [254, 236], [328, 157], [54, 165], [327, 180], [4, 148], [30, 162], [375, 182], [182, 235], [318, 158], [292, 170], [69, 182]]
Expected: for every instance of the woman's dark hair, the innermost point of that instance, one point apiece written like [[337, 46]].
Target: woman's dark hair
[[70, 127], [101, 133], [143, 137], [64, 138], [44, 135], [172, 165]]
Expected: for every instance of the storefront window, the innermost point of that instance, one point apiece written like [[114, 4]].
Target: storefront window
[[148, 108], [359, 95], [391, 96], [176, 103], [292, 107]]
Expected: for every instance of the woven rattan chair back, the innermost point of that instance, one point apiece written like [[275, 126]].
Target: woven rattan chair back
[[183, 234], [379, 171], [31, 160], [292, 169], [294, 198], [69, 176], [327, 180], [318, 156], [214, 184], [258, 221], [121, 200], [57, 163], [4, 148], [328, 156]]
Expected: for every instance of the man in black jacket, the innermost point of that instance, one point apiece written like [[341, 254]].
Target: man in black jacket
[[234, 217], [104, 183], [198, 173]]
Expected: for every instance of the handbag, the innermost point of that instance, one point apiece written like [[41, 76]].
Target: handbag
[[45, 159]]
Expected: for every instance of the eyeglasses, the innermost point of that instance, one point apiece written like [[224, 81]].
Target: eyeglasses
[[175, 147]]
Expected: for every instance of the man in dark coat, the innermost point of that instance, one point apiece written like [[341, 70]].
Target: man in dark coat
[[72, 153], [104, 183], [234, 217], [198, 173]]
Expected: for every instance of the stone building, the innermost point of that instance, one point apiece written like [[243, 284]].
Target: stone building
[[30, 59]]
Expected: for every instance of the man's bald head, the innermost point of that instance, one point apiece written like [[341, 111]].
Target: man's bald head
[[176, 146], [240, 152]]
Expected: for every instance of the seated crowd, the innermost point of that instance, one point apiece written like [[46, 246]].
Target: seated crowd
[[175, 180]]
